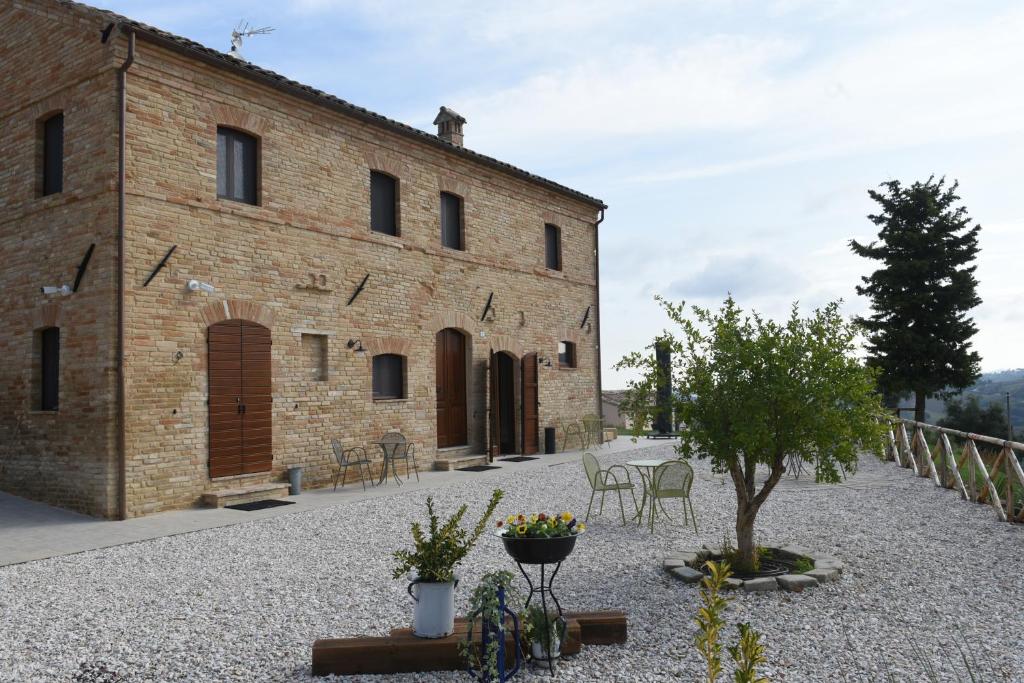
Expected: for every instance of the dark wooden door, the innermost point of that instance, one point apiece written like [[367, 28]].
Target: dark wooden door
[[506, 404], [241, 437], [531, 422], [451, 389], [493, 414]]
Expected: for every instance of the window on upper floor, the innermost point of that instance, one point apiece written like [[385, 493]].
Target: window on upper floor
[[383, 203], [451, 221], [552, 247], [52, 132], [237, 165], [566, 354], [388, 376], [47, 349]]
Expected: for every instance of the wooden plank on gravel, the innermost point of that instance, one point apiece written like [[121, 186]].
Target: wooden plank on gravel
[[600, 628]]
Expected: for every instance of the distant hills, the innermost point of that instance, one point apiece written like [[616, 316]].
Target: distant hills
[[991, 388]]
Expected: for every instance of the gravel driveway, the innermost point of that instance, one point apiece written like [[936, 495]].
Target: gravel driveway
[[245, 603]]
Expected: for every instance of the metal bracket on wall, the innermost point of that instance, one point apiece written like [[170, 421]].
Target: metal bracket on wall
[[358, 291], [82, 266], [159, 266], [586, 316], [487, 307]]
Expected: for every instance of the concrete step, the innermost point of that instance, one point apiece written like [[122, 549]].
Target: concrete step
[[245, 494], [446, 463]]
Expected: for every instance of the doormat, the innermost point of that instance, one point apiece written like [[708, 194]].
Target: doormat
[[479, 468], [518, 458], [260, 504]]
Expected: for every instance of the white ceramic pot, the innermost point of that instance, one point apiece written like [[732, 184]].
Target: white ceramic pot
[[539, 652], [434, 613]]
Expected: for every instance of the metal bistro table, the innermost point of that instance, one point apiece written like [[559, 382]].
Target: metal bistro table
[[646, 469], [390, 448]]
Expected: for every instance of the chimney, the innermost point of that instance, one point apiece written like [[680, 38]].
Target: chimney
[[449, 126]]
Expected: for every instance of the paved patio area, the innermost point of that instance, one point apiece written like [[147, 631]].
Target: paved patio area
[[35, 531]]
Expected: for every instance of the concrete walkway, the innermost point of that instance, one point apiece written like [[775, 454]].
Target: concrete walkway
[[35, 531]]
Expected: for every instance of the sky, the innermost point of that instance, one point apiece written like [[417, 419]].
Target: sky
[[733, 140]]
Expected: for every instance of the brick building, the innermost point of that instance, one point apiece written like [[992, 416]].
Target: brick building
[[327, 273]]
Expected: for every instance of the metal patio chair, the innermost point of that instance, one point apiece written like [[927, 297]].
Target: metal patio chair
[[673, 479], [345, 460], [396, 447], [572, 429], [605, 481], [593, 427]]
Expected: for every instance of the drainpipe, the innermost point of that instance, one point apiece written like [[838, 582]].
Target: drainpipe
[[597, 310], [122, 84]]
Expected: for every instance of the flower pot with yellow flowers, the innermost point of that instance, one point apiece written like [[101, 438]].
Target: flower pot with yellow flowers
[[540, 538]]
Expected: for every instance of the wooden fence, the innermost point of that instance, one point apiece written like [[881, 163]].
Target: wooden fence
[[1001, 484]]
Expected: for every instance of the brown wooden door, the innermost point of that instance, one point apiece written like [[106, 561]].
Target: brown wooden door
[[451, 389], [531, 423], [493, 412], [241, 437]]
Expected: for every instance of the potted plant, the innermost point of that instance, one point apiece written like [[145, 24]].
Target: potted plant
[[434, 558], [540, 538], [545, 632], [493, 606]]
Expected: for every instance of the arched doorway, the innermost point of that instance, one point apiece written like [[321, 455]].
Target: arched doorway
[[451, 389], [502, 403], [241, 402]]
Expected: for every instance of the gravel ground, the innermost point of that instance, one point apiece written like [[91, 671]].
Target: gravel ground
[[245, 603]]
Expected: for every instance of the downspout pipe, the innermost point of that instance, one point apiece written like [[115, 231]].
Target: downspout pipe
[[122, 86], [597, 310]]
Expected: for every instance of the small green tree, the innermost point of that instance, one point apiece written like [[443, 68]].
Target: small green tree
[[967, 415], [919, 330], [751, 392]]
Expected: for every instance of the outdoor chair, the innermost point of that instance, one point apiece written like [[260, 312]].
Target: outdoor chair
[[396, 447], [605, 481], [572, 429], [353, 456], [593, 427], [673, 479]]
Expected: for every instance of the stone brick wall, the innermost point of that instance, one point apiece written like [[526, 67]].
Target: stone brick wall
[[294, 261], [53, 60]]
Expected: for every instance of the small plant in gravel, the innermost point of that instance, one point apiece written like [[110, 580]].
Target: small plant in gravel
[[485, 605], [747, 654], [435, 556], [802, 565]]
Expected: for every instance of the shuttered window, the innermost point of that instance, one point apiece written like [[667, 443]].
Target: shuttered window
[[552, 247], [237, 165], [451, 221], [388, 376], [49, 368], [383, 203], [566, 354], [53, 154]]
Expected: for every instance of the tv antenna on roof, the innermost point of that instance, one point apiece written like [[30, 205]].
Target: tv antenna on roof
[[244, 31]]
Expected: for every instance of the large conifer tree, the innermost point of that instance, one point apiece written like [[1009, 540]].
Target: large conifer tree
[[919, 330]]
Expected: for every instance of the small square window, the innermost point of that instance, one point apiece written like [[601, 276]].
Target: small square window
[[314, 355], [383, 203], [552, 247], [451, 221], [237, 165], [566, 354], [388, 376]]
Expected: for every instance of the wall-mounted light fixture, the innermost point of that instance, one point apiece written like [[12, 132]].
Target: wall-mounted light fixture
[[546, 362], [356, 345], [63, 290], [197, 286]]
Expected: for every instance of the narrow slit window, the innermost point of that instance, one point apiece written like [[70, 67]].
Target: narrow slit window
[[383, 203], [552, 247], [566, 354], [237, 165], [49, 368], [53, 154], [388, 376], [451, 221]]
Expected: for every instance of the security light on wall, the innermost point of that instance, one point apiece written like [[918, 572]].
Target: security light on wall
[[63, 290], [356, 345], [197, 286]]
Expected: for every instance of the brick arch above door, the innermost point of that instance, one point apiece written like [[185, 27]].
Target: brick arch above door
[[456, 319], [503, 342], [232, 309]]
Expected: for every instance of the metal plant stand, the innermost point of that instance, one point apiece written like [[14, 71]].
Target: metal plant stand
[[544, 589], [490, 631]]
